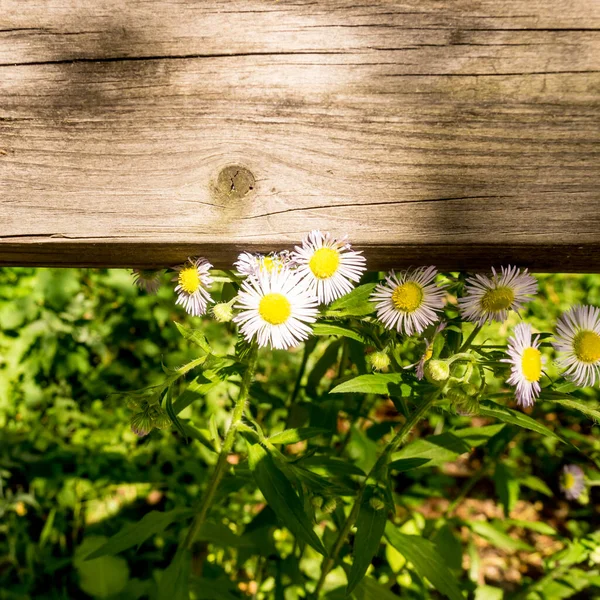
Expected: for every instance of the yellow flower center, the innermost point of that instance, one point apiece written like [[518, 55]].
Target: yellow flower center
[[531, 364], [270, 264], [189, 280], [498, 299], [408, 296], [587, 346], [324, 262], [275, 308], [569, 481]]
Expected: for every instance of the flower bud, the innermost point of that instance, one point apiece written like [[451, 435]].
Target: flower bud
[[457, 395], [222, 312], [161, 420], [470, 389], [317, 501], [379, 360], [436, 372], [329, 506], [376, 503], [141, 424]]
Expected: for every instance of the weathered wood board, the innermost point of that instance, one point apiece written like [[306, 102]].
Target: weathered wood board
[[461, 133]]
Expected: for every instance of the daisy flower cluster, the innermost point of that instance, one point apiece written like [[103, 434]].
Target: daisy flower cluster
[[279, 297], [280, 293]]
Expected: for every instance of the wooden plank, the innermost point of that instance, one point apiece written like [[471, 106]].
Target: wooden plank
[[461, 133]]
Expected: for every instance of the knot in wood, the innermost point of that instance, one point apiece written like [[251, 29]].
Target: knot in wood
[[235, 182]]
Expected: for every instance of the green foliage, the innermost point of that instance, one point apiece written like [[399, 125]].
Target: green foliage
[[90, 510]]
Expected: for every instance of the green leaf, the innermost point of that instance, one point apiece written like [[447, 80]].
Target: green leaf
[[330, 329], [213, 589], [435, 449], [370, 525], [373, 383], [195, 390], [292, 436], [328, 358], [102, 577], [494, 534], [574, 404], [281, 496], [426, 559], [332, 466], [497, 411], [195, 336], [354, 304], [477, 436], [135, 535], [171, 412], [507, 487], [535, 483], [221, 535], [407, 464], [174, 582], [449, 547], [537, 526], [369, 589]]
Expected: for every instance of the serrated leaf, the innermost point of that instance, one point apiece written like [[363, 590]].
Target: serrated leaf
[[372, 383], [292, 436], [370, 525], [281, 496], [497, 411], [195, 336], [136, 534], [354, 304], [329, 329], [174, 581], [426, 559]]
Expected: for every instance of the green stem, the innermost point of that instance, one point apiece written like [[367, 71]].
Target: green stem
[[221, 466], [305, 354], [381, 463], [470, 339]]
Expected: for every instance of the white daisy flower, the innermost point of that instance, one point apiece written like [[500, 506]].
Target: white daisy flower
[[410, 301], [526, 362], [147, 280], [252, 264], [578, 341], [489, 299], [193, 280], [572, 481], [275, 308], [329, 266]]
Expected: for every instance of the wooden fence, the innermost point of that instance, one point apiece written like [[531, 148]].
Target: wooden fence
[[460, 133]]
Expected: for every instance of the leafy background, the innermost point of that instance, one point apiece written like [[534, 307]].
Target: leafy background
[[72, 474]]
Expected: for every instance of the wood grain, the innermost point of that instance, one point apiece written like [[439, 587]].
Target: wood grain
[[462, 133]]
